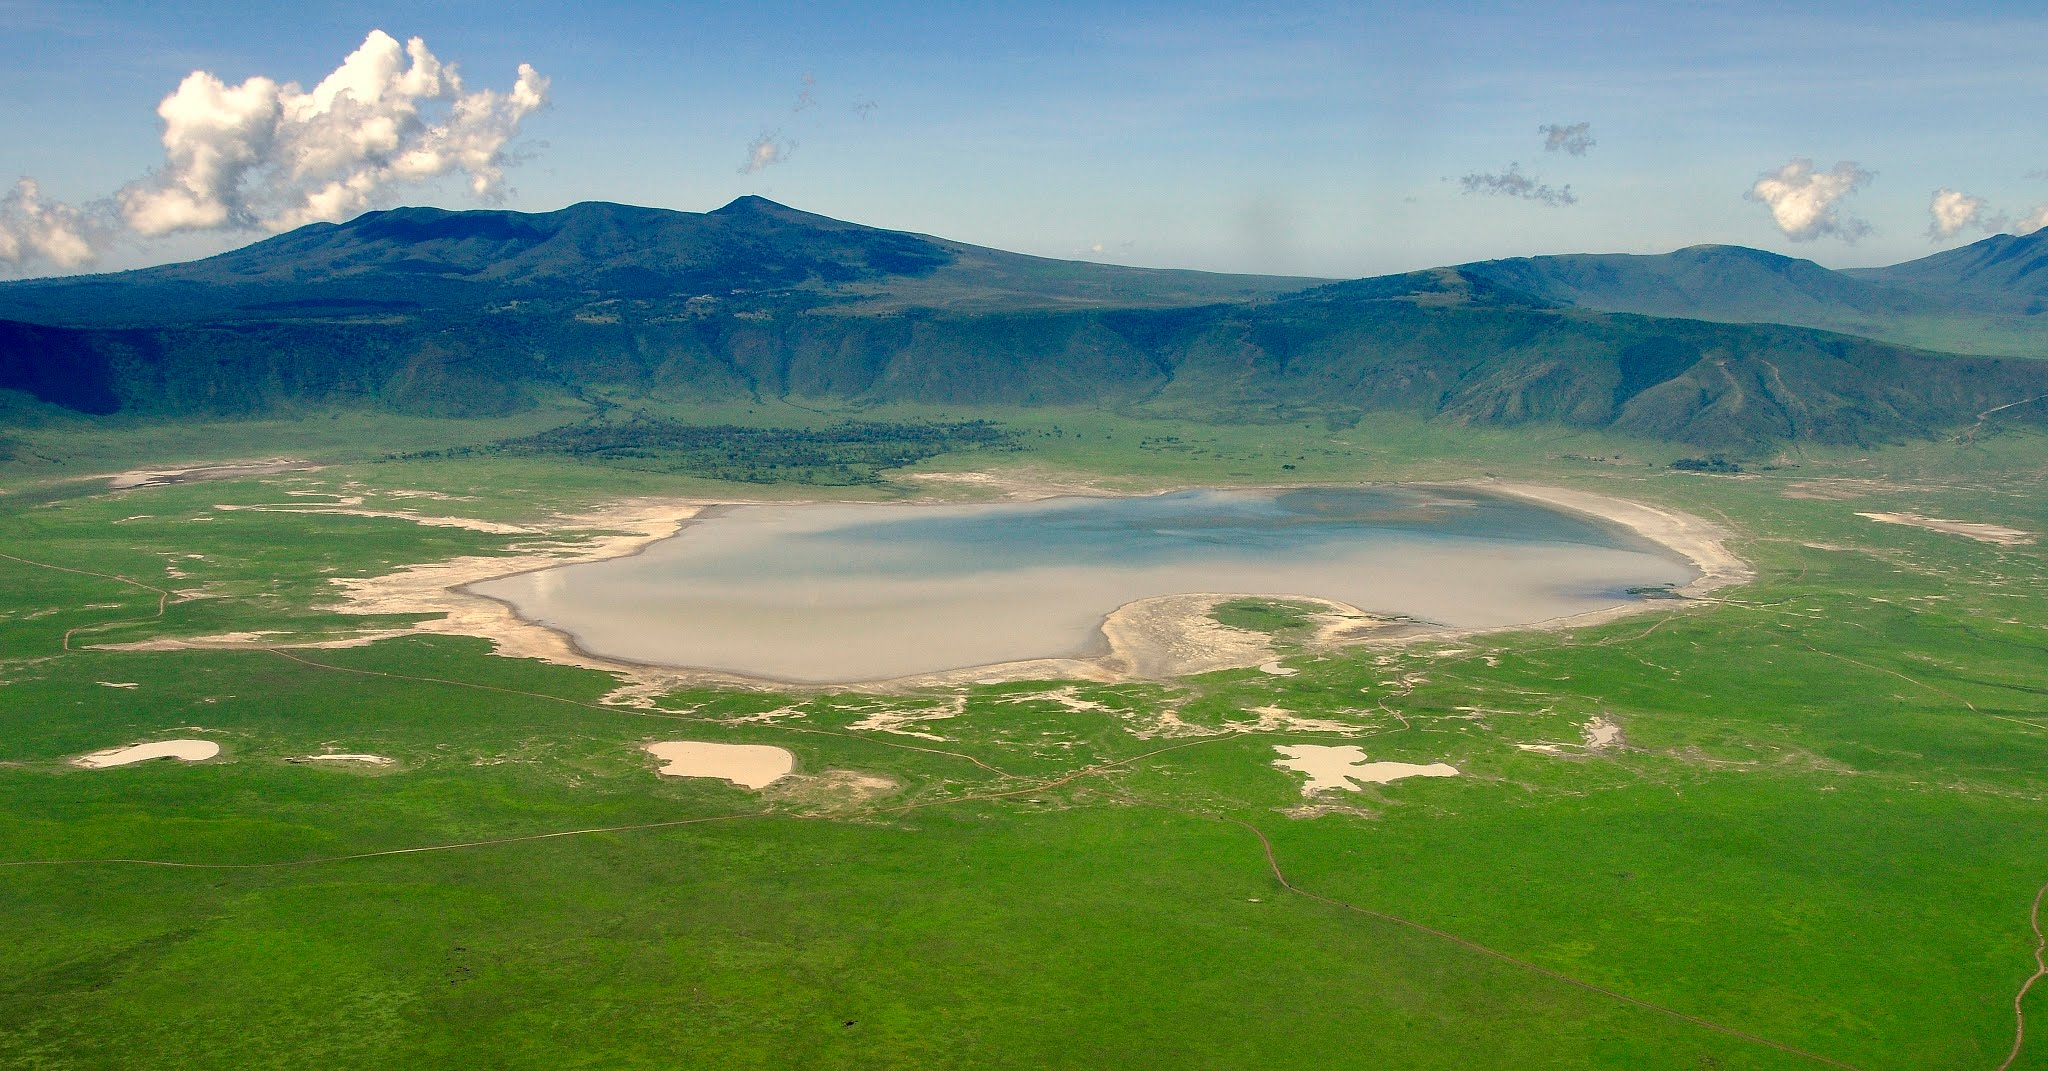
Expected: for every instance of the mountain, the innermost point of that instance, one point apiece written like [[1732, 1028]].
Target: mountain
[[1731, 284], [1984, 298], [2001, 274], [436, 312], [410, 259]]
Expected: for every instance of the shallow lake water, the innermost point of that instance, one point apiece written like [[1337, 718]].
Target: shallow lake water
[[852, 592]]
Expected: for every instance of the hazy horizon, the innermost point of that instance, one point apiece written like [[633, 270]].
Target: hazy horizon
[[1333, 141]]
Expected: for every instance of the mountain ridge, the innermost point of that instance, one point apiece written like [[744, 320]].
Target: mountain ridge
[[435, 312], [482, 256]]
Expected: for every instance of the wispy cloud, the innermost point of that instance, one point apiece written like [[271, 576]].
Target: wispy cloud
[[1572, 139], [1952, 212], [1512, 183], [804, 98], [269, 156], [765, 151], [1805, 203], [35, 230]]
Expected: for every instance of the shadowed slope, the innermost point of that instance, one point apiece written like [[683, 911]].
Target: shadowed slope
[[434, 312]]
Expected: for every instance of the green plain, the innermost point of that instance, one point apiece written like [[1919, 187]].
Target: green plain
[[1825, 830]]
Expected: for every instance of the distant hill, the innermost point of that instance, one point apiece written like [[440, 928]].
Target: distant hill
[[1732, 284], [2001, 274], [407, 259], [437, 312], [1984, 298]]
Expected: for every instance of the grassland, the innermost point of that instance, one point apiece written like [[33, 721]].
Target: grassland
[[1823, 832]]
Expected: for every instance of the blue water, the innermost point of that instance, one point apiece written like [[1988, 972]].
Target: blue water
[[1189, 526], [829, 592]]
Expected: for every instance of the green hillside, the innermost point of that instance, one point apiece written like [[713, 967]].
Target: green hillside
[[586, 258], [1984, 298], [480, 313], [2001, 274]]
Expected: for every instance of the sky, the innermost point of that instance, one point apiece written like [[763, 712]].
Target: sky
[[1336, 140]]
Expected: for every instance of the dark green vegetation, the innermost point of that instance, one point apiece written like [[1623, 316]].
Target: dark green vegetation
[[494, 313], [1717, 463], [855, 452], [1824, 830], [1273, 616]]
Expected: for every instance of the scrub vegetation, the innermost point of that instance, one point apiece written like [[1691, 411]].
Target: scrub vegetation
[[1816, 845], [854, 452], [1277, 616]]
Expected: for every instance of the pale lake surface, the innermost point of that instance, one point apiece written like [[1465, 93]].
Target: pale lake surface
[[835, 592]]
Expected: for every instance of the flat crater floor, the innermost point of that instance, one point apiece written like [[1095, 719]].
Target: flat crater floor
[[832, 593]]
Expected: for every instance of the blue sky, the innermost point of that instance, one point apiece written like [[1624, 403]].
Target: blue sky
[[1326, 139]]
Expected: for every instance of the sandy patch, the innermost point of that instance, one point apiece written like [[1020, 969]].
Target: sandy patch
[[831, 792], [1022, 484], [1840, 488], [903, 722], [470, 523], [1317, 810], [1597, 735], [122, 481], [1176, 636], [349, 757], [746, 765], [1982, 533], [435, 495], [117, 684], [1345, 767], [182, 750], [1280, 719], [191, 643]]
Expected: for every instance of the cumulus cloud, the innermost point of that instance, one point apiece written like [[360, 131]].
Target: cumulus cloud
[[1805, 203], [265, 155], [2032, 221], [1572, 139], [270, 156], [1512, 183], [1953, 212], [766, 151], [35, 230]]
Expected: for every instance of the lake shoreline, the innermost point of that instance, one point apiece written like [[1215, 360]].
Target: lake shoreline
[[1155, 638]]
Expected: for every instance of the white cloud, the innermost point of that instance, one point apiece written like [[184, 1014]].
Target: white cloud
[[272, 156], [2032, 221], [269, 156], [1512, 183], [1952, 212], [33, 230], [1572, 139], [1804, 202], [766, 151]]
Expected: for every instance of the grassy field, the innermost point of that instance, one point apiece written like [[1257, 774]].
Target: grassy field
[[1818, 846]]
